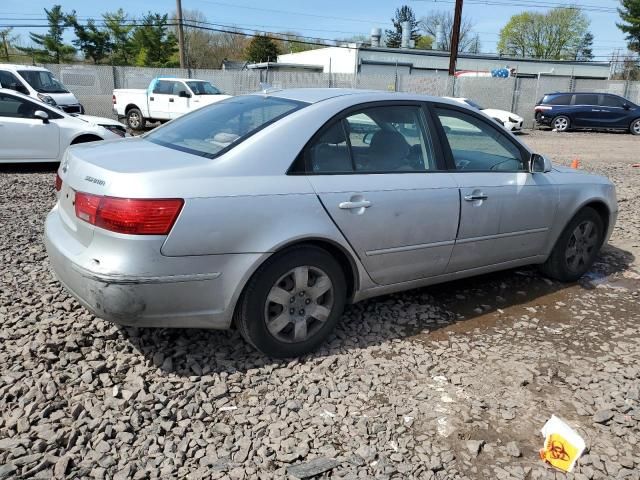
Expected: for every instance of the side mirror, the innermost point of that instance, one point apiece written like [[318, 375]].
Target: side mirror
[[367, 138], [184, 94], [626, 106], [42, 115], [539, 164]]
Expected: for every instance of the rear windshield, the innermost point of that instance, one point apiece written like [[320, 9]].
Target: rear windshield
[[557, 99], [212, 130]]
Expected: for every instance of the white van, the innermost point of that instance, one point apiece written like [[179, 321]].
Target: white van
[[38, 82]]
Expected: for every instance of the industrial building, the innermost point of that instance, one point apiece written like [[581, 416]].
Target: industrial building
[[374, 59]]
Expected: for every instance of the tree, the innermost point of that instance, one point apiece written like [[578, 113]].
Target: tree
[[630, 15], [154, 43], [262, 49], [584, 53], [94, 43], [50, 47], [555, 35], [117, 26], [394, 36], [444, 20], [5, 40], [424, 42]]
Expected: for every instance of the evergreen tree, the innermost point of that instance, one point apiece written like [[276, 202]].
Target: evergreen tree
[[154, 42], [394, 36], [119, 30], [262, 49], [584, 52], [50, 47], [95, 43], [630, 15]]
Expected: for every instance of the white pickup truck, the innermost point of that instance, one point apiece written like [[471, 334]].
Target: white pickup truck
[[164, 99]]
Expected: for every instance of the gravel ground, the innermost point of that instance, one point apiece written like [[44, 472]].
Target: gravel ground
[[447, 382]]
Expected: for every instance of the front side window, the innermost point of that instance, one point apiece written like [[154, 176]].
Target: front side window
[[42, 81], [375, 140], [213, 129], [586, 99], [179, 87], [612, 101], [478, 146], [11, 106], [9, 80], [203, 88]]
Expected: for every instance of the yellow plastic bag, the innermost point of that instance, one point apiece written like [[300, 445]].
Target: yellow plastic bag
[[562, 445]]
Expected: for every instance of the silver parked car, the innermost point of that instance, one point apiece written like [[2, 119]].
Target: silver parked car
[[272, 211]]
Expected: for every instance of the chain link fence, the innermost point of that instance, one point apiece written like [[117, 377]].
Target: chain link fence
[[93, 85]]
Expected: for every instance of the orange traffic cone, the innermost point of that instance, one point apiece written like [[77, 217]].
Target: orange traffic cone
[[575, 163]]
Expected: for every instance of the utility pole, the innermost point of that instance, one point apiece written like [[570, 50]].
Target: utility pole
[[180, 34], [455, 38]]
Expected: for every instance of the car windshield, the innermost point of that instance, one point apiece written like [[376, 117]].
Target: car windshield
[[203, 88], [212, 130], [474, 104], [42, 81]]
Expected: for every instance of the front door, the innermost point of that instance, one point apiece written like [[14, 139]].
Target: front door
[[23, 137], [376, 173], [179, 105], [614, 114], [505, 211]]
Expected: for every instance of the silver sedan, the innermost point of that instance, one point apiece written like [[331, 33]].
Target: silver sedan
[[272, 211]]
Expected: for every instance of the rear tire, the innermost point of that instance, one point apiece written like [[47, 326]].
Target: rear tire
[[135, 120], [292, 302], [561, 123], [634, 128], [577, 248]]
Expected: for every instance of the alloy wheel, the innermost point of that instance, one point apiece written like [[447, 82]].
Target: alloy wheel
[[134, 120], [636, 127], [561, 124], [582, 245], [298, 304]]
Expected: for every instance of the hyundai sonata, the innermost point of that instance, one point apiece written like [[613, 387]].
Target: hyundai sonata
[[271, 211]]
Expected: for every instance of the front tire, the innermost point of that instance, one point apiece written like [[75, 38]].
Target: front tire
[[561, 123], [135, 120], [292, 302], [635, 127], [577, 248]]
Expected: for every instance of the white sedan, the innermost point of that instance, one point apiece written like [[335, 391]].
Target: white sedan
[[32, 131], [508, 120]]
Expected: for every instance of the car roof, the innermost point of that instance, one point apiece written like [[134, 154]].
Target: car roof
[[315, 95], [12, 66]]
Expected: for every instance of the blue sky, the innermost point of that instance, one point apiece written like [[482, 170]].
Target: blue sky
[[330, 19]]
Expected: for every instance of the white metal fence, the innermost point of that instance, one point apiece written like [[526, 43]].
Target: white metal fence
[[93, 85]]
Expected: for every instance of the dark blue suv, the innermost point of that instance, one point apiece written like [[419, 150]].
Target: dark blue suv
[[564, 111]]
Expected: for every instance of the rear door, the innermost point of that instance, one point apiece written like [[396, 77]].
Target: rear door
[[23, 137], [505, 211], [179, 105], [159, 99], [587, 111], [380, 176]]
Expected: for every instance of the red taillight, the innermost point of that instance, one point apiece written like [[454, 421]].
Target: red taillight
[[113, 99], [58, 183], [129, 215]]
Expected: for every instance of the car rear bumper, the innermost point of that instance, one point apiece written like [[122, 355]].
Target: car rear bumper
[[543, 119], [145, 298]]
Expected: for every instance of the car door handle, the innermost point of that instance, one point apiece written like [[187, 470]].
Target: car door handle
[[171, 99], [358, 204], [151, 99], [473, 198]]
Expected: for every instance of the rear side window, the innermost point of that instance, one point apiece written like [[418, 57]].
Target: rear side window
[[164, 87], [586, 99], [212, 130], [612, 101], [557, 99], [384, 139]]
